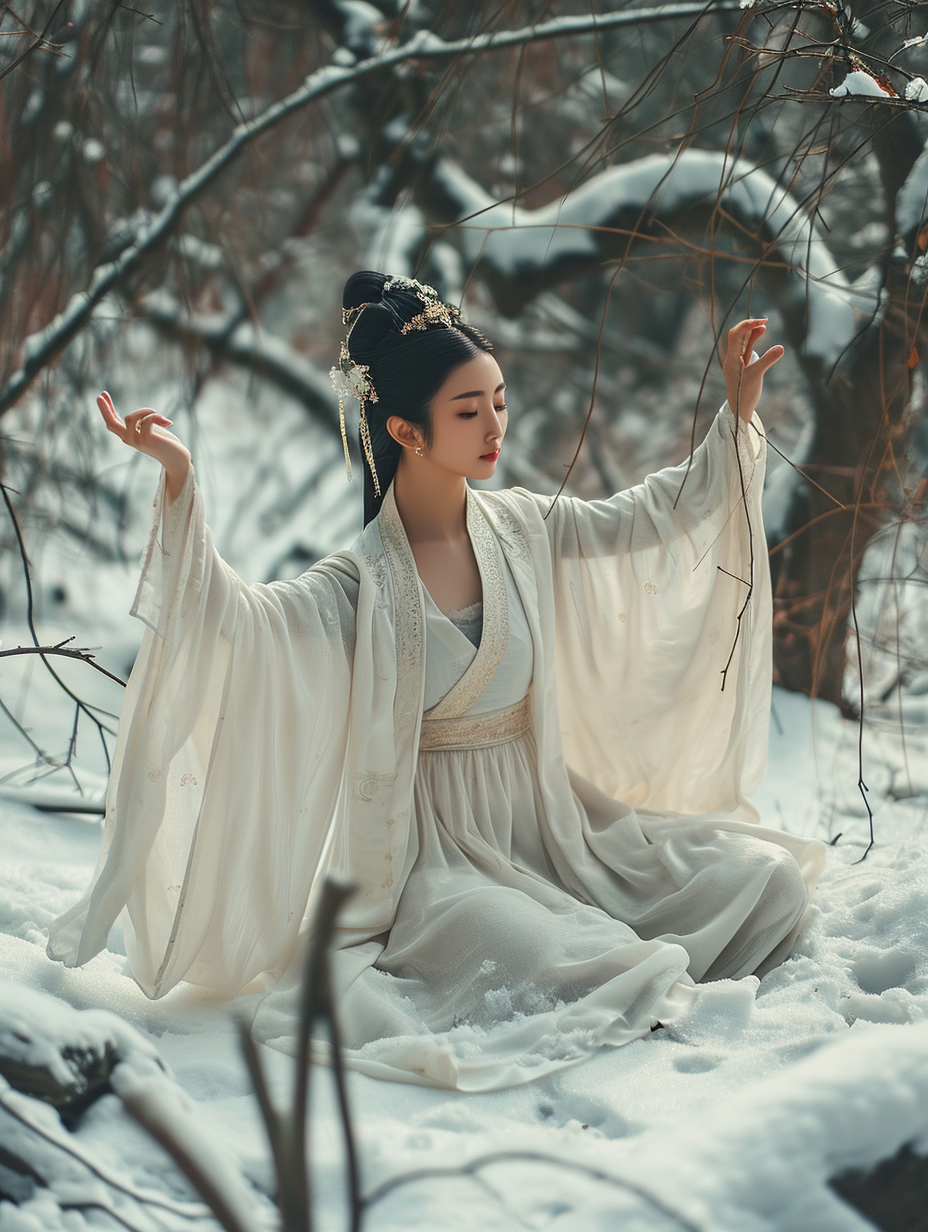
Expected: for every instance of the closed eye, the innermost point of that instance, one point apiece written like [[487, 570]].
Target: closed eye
[[472, 414]]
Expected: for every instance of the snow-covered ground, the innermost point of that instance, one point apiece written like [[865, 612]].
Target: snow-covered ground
[[732, 1119]]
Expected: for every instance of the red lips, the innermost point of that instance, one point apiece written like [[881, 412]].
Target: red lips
[[489, 457]]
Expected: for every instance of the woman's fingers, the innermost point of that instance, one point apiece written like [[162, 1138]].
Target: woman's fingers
[[110, 418], [136, 418], [744, 369], [742, 339], [743, 336], [140, 423], [136, 429], [766, 361], [147, 431]]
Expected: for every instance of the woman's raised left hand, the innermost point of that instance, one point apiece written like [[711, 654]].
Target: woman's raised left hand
[[744, 370]]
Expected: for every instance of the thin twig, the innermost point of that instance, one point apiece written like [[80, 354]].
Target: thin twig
[[84, 655], [187, 1209], [198, 1175], [273, 1122], [589, 414], [861, 785], [22, 731], [105, 1208], [315, 1004], [741, 427], [150, 16], [40, 41], [45, 345], [30, 620], [389, 1186], [352, 1170]]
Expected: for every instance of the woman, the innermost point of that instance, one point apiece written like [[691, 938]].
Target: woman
[[525, 738]]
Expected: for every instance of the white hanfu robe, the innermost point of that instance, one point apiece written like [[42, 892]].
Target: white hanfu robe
[[549, 831]]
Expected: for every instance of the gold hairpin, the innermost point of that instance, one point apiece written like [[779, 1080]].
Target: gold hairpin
[[435, 313], [368, 448]]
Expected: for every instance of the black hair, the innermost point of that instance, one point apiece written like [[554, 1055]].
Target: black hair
[[406, 370]]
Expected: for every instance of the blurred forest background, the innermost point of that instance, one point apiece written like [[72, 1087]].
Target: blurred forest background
[[605, 188]]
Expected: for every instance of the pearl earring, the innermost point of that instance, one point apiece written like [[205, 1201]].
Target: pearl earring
[[419, 453]]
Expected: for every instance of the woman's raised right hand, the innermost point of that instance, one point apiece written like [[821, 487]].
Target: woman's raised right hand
[[147, 431]]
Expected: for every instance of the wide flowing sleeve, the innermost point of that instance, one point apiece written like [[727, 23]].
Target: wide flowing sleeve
[[227, 765], [663, 630]]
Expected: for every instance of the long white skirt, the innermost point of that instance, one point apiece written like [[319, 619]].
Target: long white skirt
[[495, 972]]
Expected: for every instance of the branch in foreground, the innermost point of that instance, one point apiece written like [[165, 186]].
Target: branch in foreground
[[286, 1128]]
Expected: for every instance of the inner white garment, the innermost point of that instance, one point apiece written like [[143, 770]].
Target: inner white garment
[[493, 970]]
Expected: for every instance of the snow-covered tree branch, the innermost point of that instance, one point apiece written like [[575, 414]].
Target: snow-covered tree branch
[[230, 338], [715, 159], [42, 347]]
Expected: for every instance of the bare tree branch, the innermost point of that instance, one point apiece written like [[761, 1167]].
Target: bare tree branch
[[39, 40], [231, 338], [85, 656], [41, 348], [64, 1143]]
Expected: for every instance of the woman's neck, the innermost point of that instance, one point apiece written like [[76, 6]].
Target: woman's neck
[[431, 503]]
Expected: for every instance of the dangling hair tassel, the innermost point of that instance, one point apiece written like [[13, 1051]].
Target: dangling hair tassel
[[368, 448], [349, 377], [341, 424]]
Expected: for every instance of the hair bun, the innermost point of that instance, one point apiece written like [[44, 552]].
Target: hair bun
[[364, 287], [390, 302]]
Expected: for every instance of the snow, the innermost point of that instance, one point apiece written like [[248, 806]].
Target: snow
[[209, 256], [824, 1115], [93, 150], [862, 85], [424, 41], [360, 20], [172, 1112], [92, 1031], [912, 201], [519, 242], [392, 237], [733, 1119]]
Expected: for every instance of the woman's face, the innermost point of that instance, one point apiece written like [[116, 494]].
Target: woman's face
[[469, 420]]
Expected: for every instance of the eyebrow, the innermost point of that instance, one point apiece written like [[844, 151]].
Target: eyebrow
[[475, 393]]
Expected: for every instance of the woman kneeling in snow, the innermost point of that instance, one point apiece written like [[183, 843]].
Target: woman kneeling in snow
[[505, 725]]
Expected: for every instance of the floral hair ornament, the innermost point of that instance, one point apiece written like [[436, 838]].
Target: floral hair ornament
[[433, 314], [426, 293], [436, 312], [350, 377]]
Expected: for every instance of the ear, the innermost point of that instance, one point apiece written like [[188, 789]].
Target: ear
[[403, 432]]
